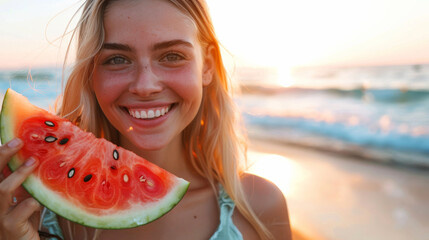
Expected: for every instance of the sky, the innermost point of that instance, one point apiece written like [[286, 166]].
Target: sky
[[278, 33]]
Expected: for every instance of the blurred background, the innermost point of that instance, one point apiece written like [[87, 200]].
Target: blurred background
[[334, 94]]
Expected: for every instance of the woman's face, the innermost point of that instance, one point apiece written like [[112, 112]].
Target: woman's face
[[150, 72]]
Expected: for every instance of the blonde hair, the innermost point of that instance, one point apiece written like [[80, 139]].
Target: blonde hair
[[214, 143]]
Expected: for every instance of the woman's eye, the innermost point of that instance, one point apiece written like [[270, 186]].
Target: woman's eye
[[172, 57], [116, 61]]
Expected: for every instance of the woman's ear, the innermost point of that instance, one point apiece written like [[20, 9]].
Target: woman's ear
[[209, 65]]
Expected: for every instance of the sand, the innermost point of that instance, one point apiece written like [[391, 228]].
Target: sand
[[333, 196]]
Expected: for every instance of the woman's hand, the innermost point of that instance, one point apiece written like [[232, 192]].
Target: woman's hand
[[18, 213]]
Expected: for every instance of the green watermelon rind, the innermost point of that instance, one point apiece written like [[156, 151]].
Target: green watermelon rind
[[6, 129], [130, 218], [122, 219]]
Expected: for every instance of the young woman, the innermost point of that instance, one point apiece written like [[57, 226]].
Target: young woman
[[155, 66]]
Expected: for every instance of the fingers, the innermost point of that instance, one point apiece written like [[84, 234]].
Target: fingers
[[8, 150], [11, 183], [23, 211], [14, 217], [17, 224]]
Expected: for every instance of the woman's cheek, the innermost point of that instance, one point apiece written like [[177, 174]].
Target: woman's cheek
[[185, 81], [108, 83]]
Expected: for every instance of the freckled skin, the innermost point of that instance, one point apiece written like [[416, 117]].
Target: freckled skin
[[148, 77]]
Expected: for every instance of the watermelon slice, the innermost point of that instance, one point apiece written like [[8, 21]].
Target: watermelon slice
[[82, 178]]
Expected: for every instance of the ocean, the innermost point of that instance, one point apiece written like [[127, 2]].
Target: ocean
[[378, 113]]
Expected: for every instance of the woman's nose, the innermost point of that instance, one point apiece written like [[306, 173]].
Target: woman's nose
[[146, 82]]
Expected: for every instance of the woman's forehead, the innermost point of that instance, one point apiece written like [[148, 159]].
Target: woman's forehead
[[147, 18], [151, 6]]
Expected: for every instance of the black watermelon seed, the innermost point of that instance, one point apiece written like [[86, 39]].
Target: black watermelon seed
[[63, 141], [50, 139], [87, 178], [71, 173], [113, 167], [49, 124], [115, 154]]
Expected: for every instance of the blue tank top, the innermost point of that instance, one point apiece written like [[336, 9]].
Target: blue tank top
[[225, 230]]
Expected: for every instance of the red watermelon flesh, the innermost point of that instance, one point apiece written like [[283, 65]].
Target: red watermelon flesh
[[83, 178]]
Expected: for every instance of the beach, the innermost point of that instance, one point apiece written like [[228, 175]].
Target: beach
[[334, 196]]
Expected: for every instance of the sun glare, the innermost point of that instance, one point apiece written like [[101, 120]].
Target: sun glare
[[276, 168], [284, 77]]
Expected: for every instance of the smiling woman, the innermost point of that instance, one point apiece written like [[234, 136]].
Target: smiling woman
[[158, 87], [143, 76]]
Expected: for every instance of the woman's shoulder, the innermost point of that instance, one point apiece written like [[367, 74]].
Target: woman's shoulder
[[268, 203], [261, 193]]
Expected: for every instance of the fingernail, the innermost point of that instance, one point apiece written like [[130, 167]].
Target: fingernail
[[14, 143], [30, 161]]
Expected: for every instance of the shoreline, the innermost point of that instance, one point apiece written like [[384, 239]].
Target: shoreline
[[384, 156], [333, 196]]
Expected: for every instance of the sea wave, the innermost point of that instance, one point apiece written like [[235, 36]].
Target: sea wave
[[401, 95], [358, 134], [40, 74], [359, 145], [387, 124]]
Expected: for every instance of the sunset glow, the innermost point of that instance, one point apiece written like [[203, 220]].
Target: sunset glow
[[276, 168], [272, 33], [329, 32], [284, 78]]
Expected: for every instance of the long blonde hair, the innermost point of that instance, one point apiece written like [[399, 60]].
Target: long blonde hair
[[214, 141]]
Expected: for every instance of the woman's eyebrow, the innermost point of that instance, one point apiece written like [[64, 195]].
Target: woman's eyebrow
[[157, 46], [117, 46], [167, 44]]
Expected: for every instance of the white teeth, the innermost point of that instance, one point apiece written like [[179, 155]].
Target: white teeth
[[143, 114], [149, 114], [131, 113]]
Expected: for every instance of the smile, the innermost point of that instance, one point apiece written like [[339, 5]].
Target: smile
[[149, 113]]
